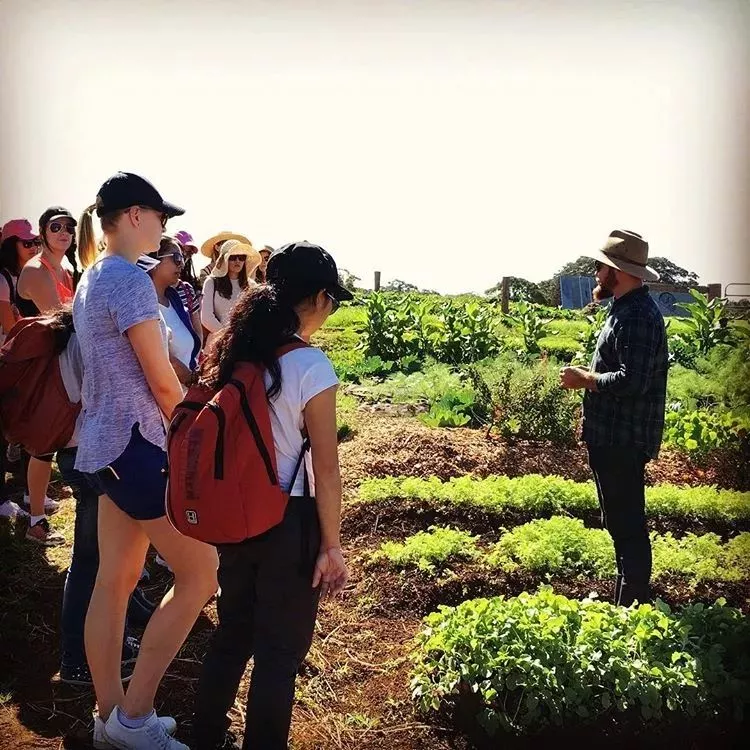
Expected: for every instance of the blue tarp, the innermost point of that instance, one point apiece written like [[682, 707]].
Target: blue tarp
[[575, 293]]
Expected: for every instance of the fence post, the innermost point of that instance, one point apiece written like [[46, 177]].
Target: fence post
[[505, 294], [377, 281], [714, 291]]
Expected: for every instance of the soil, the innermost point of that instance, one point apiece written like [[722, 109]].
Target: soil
[[403, 446], [353, 690]]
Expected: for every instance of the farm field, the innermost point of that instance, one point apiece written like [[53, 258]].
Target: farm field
[[477, 615]]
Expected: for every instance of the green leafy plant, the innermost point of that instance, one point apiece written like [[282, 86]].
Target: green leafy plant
[[589, 338], [701, 431], [452, 410], [542, 659], [527, 321], [429, 550], [548, 495], [526, 403], [708, 324]]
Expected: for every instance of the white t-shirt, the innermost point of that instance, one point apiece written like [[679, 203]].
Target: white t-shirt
[[304, 374], [180, 339]]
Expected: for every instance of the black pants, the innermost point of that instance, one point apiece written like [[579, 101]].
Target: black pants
[[619, 473], [267, 609]]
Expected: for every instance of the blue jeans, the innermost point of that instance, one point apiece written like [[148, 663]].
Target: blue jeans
[[79, 583]]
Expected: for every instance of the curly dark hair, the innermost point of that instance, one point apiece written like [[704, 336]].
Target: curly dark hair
[[263, 320]]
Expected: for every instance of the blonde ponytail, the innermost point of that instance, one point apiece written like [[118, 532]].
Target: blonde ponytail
[[87, 246]]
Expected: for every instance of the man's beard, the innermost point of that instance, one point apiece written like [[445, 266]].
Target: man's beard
[[603, 290]]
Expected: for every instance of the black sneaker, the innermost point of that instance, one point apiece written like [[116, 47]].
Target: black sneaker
[[130, 648], [80, 674]]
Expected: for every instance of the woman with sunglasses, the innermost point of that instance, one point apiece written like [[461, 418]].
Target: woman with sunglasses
[[46, 284], [270, 585], [233, 273], [18, 245], [129, 393], [164, 268]]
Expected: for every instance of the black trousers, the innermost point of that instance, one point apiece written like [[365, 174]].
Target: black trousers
[[267, 609], [619, 473]]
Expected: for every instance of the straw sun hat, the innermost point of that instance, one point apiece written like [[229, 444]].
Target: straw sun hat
[[235, 247], [207, 248]]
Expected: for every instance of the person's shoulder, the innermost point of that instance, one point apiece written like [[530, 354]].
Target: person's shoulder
[[306, 359]]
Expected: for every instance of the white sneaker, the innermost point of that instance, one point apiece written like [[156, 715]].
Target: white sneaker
[[9, 509], [151, 736], [50, 505], [102, 743]]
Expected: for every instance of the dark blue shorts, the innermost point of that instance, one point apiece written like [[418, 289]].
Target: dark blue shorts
[[136, 481]]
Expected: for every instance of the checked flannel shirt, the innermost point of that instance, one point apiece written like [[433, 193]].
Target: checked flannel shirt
[[631, 362]]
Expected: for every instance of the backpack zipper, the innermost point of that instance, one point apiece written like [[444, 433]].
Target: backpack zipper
[[219, 451]]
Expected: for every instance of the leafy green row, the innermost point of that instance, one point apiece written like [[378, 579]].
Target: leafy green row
[[551, 494], [564, 546], [542, 659]]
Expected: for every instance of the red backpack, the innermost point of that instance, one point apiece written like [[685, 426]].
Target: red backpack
[[35, 410], [223, 484]]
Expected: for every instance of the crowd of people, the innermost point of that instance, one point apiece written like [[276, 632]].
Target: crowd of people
[[147, 325], [149, 335]]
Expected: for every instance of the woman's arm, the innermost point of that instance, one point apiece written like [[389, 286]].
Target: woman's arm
[[147, 342], [36, 284], [320, 420], [208, 315], [7, 316]]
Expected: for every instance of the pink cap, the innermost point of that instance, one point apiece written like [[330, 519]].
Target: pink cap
[[185, 238], [20, 228]]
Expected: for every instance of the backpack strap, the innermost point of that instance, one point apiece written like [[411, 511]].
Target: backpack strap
[[6, 274], [300, 464]]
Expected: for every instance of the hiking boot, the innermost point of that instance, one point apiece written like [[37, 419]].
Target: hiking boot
[[152, 735], [102, 743], [41, 533], [80, 674], [50, 505], [9, 509]]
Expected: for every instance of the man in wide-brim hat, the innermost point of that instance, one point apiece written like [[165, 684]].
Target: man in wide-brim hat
[[624, 403]]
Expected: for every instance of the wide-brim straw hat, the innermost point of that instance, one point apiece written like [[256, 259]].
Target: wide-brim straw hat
[[207, 248], [235, 247], [628, 252]]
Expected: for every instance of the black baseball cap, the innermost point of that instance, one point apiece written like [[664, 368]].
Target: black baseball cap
[[53, 213], [306, 265], [125, 189]]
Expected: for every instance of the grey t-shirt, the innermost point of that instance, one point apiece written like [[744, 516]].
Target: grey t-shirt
[[113, 296]]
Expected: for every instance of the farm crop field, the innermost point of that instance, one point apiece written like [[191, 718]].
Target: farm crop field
[[478, 613]]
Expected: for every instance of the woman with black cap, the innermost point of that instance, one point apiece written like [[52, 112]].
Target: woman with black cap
[[129, 393], [45, 284], [270, 585]]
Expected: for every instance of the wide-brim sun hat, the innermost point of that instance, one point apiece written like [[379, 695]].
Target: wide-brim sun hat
[[626, 251], [207, 248], [235, 247]]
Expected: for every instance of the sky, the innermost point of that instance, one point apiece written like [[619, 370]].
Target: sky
[[447, 144]]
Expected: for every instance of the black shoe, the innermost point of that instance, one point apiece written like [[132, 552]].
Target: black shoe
[[130, 648], [80, 674], [140, 609]]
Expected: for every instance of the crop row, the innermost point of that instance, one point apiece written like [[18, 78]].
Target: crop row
[[546, 495]]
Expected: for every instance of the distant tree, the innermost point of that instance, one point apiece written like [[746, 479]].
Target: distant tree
[[671, 273], [519, 289], [399, 286], [348, 280]]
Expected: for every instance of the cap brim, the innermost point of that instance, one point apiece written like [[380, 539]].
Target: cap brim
[[147, 263], [341, 293], [57, 217], [171, 210]]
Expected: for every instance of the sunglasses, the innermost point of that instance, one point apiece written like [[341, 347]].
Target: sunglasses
[[28, 244], [236, 258], [163, 217], [335, 304], [57, 226], [176, 257]]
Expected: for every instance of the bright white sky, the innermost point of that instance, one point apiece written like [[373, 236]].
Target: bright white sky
[[446, 144]]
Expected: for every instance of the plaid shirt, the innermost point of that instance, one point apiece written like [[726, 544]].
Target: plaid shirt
[[631, 362]]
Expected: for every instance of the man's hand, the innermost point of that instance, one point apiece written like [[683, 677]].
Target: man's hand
[[575, 378]]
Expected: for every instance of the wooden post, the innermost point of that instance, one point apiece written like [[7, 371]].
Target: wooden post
[[505, 295], [377, 281], [714, 291]]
